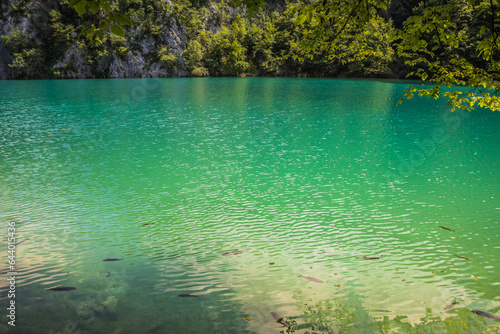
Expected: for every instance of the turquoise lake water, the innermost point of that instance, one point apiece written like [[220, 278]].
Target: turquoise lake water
[[305, 175]]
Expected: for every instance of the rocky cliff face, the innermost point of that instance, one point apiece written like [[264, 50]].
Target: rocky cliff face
[[52, 40], [5, 58]]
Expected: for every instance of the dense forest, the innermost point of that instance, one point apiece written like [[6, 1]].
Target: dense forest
[[172, 38]]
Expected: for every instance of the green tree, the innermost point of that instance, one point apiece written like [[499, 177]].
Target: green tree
[[227, 56], [379, 54], [433, 43], [194, 55], [429, 40], [40, 42], [169, 60]]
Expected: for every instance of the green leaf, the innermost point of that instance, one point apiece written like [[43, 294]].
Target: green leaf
[[93, 7], [81, 7], [291, 9], [300, 19], [104, 25], [118, 30], [123, 20], [72, 3], [107, 7], [85, 31], [309, 15]]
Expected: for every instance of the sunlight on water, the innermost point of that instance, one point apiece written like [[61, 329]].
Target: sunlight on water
[[308, 177]]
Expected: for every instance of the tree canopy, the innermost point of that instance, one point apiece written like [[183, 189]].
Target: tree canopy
[[447, 44]]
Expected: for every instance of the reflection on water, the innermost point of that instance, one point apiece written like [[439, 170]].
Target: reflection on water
[[305, 175]]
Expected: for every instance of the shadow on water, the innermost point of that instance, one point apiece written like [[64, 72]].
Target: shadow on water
[[123, 300]]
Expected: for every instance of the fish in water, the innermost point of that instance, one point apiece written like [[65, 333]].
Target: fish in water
[[187, 295], [279, 319], [63, 288], [112, 259], [109, 274], [312, 279], [20, 242], [452, 305], [368, 258], [446, 228], [486, 315], [463, 257], [233, 252]]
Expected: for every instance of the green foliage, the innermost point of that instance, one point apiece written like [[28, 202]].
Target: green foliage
[[334, 316], [464, 321], [253, 6], [437, 40], [26, 63], [433, 45], [259, 42], [373, 53], [118, 45], [110, 17], [169, 60], [194, 55], [226, 55], [28, 57]]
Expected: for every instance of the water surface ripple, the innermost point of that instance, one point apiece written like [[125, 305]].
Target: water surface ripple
[[306, 176]]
